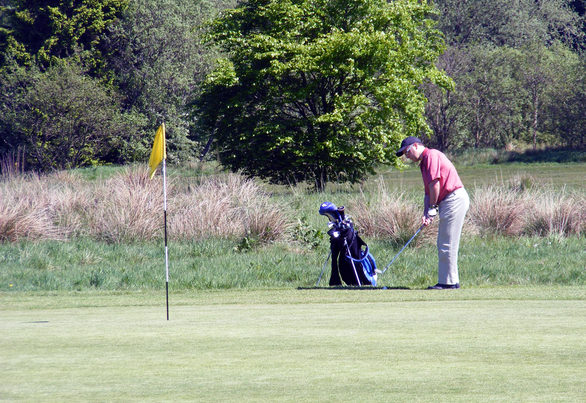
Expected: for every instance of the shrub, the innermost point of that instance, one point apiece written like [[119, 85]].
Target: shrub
[[61, 118]]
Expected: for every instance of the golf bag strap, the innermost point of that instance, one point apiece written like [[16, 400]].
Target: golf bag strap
[[364, 254]]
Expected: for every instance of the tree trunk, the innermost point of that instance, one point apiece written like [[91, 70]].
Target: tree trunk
[[320, 180], [208, 145], [534, 125]]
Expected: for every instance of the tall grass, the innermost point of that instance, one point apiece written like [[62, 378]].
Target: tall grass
[[127, 207], [228, 206], [25, 210], [523, 207], [385, 215], [12, 163]]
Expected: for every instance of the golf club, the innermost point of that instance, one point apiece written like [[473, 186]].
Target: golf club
[[323, 268], [408, 242], [352, 262]]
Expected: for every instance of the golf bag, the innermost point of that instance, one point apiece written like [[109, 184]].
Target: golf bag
[[350, 263]]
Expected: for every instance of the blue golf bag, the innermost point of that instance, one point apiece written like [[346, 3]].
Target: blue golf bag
[[351, 264]]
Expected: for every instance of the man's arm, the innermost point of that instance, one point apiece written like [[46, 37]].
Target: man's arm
[[431, 201], [434, 191]]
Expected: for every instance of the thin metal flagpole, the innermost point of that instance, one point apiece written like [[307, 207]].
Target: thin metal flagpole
[[165, 222]]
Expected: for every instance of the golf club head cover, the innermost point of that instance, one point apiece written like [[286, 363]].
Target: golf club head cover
[[330, 210]]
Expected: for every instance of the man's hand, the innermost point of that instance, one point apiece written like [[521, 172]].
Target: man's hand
[[425, 220], [431, 214]]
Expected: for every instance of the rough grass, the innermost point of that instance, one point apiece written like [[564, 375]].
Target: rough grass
[[83, 264], [126, 207], [67, 232], [523, 207]]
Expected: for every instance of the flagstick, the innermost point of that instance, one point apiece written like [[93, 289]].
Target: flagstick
[[166, 250]]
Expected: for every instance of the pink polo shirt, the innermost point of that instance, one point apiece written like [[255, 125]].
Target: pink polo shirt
[[435, 165]]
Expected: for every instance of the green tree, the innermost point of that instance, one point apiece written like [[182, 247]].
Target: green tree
[[532, 94], [510, 23], [512, 79], [550, 81], [319, 90], [44, 31], [62, 118], [566, 111], [159, 60], [444, 108]]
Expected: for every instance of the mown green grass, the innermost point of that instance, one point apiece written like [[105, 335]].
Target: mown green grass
[[557, 175], [498, 344]]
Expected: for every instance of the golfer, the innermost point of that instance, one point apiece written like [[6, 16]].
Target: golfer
[[444, 195]]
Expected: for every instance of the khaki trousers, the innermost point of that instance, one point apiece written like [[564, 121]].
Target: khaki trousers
[[452, 211]]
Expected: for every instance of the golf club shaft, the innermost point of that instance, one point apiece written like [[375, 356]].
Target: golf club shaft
[[323, 268], [397, 255], [352, 261]]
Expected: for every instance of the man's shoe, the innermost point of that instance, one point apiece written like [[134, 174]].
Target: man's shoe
[[439, 286]]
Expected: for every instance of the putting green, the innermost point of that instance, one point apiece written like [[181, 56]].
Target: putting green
[[508, 344]]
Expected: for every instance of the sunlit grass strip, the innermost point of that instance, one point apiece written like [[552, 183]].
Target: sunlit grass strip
[[511, 344]]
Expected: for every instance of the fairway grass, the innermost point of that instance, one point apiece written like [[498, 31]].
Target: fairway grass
[[315, 345]]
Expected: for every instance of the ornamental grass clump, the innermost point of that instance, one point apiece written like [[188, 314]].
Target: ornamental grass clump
[[228, 206], [127, 207], [26, 210], [382, 215], [496, 210], [555, 213]]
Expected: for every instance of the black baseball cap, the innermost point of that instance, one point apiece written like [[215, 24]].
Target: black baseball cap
[[406, 143]]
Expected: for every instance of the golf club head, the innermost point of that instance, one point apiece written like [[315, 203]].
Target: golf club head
[[330, 210], [341, 212]]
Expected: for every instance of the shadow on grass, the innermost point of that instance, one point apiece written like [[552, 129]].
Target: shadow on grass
[[352, 288]]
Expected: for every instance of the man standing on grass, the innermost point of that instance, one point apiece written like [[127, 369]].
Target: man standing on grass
[[444, 192]]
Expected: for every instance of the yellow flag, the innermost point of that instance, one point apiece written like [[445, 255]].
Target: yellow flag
[[159, 152]]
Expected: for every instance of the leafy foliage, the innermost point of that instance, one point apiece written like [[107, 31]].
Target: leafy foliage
[[517, 68], [158, 60], [319, 90], [512, 24], [505, 95], [44, 31], [64, 119]]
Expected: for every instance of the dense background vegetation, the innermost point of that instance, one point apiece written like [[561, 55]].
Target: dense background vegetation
[[526, 225], [87, 82]]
